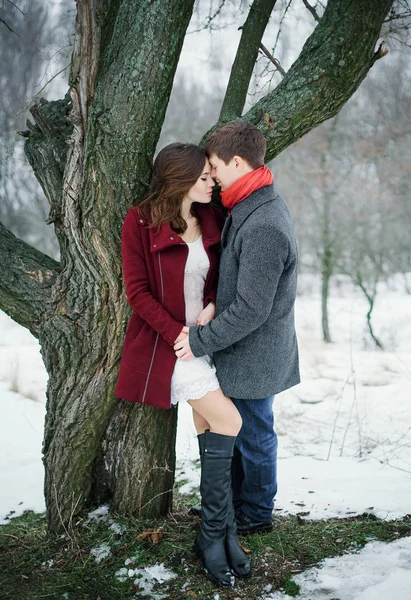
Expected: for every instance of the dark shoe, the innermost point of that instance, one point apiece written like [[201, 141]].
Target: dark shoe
[[214, 488], [195, 511], [237, 558], [247, 525]]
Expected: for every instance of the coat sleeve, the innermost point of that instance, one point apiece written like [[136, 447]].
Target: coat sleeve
[[211, 296], [139, 295], [263, 255]]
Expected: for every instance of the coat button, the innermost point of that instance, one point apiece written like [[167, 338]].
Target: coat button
[[154, 245], [141, 221], [171, 238]]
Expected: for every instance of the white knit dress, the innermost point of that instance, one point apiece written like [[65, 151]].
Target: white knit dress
[[193, 378]]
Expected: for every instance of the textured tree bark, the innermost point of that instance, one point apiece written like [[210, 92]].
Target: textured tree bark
[[92, 153], [26, 283]]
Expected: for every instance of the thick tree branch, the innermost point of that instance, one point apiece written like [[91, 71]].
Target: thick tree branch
[[242, 69], [27, 276], [333, 62]]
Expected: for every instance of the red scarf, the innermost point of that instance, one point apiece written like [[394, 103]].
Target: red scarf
[[246, 185]]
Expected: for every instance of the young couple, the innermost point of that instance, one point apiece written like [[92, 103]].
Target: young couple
[[213, 324]]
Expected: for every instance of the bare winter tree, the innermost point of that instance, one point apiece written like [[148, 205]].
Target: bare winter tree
[[92, 153]]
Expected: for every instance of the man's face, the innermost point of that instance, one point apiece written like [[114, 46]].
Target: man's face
[[225, 175]]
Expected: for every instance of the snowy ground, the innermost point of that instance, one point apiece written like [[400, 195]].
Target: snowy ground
[[379, 571], [344, 433]]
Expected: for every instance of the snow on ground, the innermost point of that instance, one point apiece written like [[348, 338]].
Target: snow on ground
[[23, 382], [344, 432], [147, 578], [378, 571]]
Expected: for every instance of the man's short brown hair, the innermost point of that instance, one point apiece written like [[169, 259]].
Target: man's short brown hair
[[238, 138]]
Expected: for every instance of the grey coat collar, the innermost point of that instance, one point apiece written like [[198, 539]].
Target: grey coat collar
[[243, 209]]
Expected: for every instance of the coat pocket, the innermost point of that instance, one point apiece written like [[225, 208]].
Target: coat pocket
[[134, 328]]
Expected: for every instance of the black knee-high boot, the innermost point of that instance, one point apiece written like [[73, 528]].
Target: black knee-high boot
[[215, 488], [237, 558]]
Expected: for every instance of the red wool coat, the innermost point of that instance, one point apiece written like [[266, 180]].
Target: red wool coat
[[153, 265]]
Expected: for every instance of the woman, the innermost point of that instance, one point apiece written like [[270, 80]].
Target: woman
[[170, 249]]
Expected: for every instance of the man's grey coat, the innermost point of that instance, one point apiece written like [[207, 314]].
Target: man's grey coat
[[252, 337]]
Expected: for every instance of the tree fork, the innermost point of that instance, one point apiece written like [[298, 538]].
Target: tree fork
[[332, 64]]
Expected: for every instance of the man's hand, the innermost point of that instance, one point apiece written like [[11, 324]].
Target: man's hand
[[206, 315], [182, 347], [183, 334]]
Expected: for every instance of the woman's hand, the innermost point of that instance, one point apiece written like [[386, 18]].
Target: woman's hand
[[182, 335], [206, 315]]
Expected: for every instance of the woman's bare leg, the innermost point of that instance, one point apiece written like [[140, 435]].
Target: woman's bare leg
[[218, 412], [199, 423]]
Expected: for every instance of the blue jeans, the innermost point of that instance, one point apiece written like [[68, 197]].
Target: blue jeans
[[254, 467]]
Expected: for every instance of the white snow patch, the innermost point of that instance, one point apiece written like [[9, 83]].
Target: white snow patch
[[100, 514], [101, 553], [378, 571], [117, 528], [121, 574], [147, 578], [48, 563]]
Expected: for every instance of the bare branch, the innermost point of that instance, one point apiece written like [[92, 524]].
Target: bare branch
[[397, 17], [287, 8], [275, 62], [37, 95], [312, 10], [8, 27], [15, 6]]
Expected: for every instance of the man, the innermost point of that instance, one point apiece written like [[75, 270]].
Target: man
[[252, 337]]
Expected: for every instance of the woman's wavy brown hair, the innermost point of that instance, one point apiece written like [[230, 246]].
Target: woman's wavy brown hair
[[175, 170]]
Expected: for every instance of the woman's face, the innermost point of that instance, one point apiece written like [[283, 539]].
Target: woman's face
[[202, 189]]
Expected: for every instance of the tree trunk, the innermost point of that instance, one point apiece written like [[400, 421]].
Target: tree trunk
[[92, 153], [94, 446], [326, 273], [371, 300]]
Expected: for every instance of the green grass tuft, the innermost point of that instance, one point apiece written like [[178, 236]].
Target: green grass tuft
[[291, 588]]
